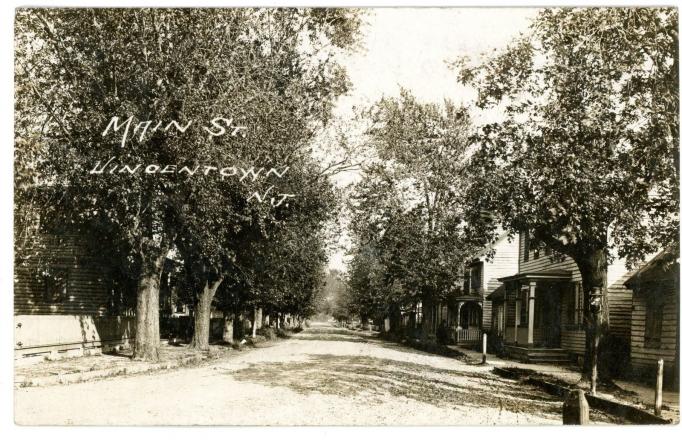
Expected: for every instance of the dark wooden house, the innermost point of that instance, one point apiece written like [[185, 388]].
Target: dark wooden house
[[656, 318], [63, 303]]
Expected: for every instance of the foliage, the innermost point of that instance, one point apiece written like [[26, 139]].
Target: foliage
[[409, 241], [584, 158], [588, 141], [273, 72]]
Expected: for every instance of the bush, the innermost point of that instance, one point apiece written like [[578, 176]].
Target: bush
[[281, 333], [268, 333], [253, 341], [615, 352]]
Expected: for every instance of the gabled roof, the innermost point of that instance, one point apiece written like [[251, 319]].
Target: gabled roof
[[496, 294], [664, 266]]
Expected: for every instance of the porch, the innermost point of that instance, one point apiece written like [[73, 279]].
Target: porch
[[468, 331], [539, 355], [533, 306]]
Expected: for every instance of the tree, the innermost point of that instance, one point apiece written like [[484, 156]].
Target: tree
[[584, 158], [77, 69], [407, 210], [284, 269]]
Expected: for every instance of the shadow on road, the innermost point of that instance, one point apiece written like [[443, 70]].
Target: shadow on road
[[380, 378], [336, 334]]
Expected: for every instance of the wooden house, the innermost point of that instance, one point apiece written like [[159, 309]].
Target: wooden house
[[473, 310], [63, 305], [655, 330], [541, 308]]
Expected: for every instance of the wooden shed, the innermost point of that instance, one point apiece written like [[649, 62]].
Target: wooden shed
[[656, 318], [63, 303]]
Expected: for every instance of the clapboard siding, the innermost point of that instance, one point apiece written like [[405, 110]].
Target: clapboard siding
[[619, 297], [86, 291], [572, 337], [545, 262], [504, 263], [487, 317], [510, 309], [645, 358], [74, 322]]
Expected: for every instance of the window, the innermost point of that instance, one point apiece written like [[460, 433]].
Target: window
[[653, 325], [444, 316], [474, 316], [419, 313], [56, 282], [574, 306], [523, 304], [526, 249], [475, 278], [500, 319]]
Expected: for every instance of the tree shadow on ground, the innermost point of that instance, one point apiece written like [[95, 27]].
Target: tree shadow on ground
[[380, 378], [336, 337], [338, 334]]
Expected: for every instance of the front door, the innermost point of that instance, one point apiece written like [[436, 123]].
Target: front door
[[550, 312]]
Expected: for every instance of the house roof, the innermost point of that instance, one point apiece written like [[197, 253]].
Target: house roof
[[664, 266], [549, 274], [468, 298], [497, 294]]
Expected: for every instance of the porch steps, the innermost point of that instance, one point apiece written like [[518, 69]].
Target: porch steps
[[539, 355]]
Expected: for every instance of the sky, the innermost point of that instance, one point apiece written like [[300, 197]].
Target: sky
[[410, 47]]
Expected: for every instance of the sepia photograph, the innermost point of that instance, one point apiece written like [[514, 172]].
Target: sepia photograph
[[345, 216]]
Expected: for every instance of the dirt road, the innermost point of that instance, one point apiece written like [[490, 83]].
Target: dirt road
[[322, 376]]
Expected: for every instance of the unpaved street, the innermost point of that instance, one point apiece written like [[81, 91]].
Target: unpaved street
[[322, 376]]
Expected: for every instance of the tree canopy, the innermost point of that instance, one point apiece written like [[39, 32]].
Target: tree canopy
[[589, 135], [409, 237], [223, 92], [583, 157]]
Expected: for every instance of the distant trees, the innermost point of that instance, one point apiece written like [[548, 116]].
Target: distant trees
[[409, 238], [334, 298], [273, 72], [585, 157]]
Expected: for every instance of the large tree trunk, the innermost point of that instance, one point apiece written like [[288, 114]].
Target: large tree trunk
[[427, 319], [228, 328], [593, 269], [202, 315], [394, 318], [147, 334], [238, 325], [254, 325], [259, 318]]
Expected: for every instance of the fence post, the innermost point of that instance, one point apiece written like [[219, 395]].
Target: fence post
[[659, 388], [485, 340], [576, 410]]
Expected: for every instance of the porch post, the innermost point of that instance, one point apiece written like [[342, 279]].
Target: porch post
[[517, 314], [459, 311], [531, 311]]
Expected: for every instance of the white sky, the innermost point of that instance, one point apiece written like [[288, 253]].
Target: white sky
[[409, 47]]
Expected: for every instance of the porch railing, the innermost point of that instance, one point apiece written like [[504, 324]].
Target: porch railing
[[472, 335]]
